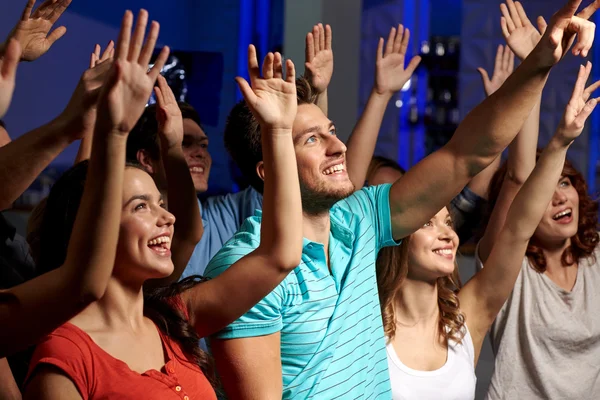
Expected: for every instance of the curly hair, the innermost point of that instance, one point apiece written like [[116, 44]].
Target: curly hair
[[242, 134], [585, 240], [392, 269]]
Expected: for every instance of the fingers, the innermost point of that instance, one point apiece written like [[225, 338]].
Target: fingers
[[511, 61], [124, 36], [522, 14], [8, 64], [569, 9], [590, 89], [585, 112], [290, 69], [150, 45], [57, 10], [56, 34], [27, 11], [506, 58], [317, 40], [508, 19], [253, 70], [309, 48], [498, 59], [328, 37], [485, 78], [579, 84], [398, 39], [267, 69], [585, 33], [504, 26], [542, 24], [108, 51], [138, 36], [389, 46], [247, 91], [380, 49], [160, 100], [93, 60], [514, 15], [321, 37], [159, 63], [277, 66], [413, 64], [587, 12]]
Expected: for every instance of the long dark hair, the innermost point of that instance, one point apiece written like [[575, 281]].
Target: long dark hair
[[159, 305]]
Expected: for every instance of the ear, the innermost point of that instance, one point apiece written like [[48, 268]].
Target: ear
[[146, 161], [260, 170]]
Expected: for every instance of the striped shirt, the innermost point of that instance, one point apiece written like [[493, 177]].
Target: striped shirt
[[332, 340]]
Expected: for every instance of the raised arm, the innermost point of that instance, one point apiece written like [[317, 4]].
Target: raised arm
[[33, 29], [390, 76], [92, 80], [33, 309], [181, 194], [522, 37], [245, 372], [8, 74], [484, 295], [319, 62], [489, 128]]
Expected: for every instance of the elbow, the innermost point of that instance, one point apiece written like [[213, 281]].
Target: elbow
[[282, 258], [90, 292], [516, 177]]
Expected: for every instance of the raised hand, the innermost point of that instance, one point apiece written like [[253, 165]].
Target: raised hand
[[271, 98], [579, 107], [319, 57], [519, 33], [168, 115], [503, 67], [390, 73], [33, 30], [130, 84], [560, 34], [8, 72]]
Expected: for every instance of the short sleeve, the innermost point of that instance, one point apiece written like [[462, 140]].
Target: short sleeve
[[68, 356], [265, 317], [373, 203]]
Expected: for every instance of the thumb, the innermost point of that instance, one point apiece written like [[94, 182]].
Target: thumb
[[542, 24], [484, 76], [247, 91], [413, 64]]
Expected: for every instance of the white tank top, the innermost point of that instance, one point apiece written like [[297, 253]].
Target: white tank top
[[455, 380]]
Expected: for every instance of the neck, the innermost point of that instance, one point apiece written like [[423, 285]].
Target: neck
[[121, 306], [417, 303], [553, 252], [316, 227]]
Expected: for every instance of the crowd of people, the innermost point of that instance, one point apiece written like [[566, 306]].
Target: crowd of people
[[334, 274]]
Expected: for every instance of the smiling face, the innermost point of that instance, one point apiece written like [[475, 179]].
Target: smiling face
[[561, 219], [146, 230], [432, 249], [321, 159], [195, 149]]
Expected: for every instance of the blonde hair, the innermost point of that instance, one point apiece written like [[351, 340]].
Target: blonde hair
[[392, 269]]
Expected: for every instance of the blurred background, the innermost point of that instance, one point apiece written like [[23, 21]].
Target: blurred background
[[210, 41]]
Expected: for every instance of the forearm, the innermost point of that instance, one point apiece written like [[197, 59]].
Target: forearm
[[85, 148], [183, 203], [480, 184], [361, 144], [8, 387], [322, 102], [23, 159]]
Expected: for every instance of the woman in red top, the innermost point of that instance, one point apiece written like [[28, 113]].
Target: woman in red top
[[126, 344]]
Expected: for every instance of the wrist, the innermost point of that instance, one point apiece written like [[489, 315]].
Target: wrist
[[274, 131], [382, 93], [169, 146], [559, 141]]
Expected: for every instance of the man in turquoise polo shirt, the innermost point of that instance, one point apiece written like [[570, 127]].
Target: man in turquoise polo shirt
[[319, 333]]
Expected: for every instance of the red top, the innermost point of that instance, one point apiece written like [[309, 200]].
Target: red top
[[98, 375]]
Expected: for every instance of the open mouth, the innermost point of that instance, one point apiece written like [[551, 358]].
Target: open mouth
[[196, 170], [564, 216], [161, 245], [445, 252], [336, 169]]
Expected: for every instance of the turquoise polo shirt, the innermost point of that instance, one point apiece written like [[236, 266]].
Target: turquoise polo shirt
[[332, 340]]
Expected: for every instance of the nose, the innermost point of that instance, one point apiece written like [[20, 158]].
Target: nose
[[559, 197], [198, 151], [336, 147], [165, 218], [447, 233]]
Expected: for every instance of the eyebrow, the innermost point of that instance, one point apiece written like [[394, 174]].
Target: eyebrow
[[313, 129], [144, 197], [192, 137]]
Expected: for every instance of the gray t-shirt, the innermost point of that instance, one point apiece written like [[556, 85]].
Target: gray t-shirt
[[547, 340]]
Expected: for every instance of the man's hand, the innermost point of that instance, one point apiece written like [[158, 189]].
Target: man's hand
[[518, 31], [129, 84], [168, 115], [560, 34], [271, 99], [319, 57], [578, 108], [33, 30], [390, 74], [8, 73], [503, 67]]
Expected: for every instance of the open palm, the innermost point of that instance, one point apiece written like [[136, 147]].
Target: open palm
[[520, 35], [319, 57], [390, 73], [271, 98], [33, 30]]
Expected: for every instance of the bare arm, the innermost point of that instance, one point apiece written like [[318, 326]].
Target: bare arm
[[8, 387], [319, 62], [273, 103], [250, 368], [488, 128], [484, 295], [181, 194], [49, 383], [30, 311], [390, 77]]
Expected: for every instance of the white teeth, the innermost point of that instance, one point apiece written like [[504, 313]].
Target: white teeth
[[562, 213], [443, 251], [159, 240], [197, 169], [335, 168]]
